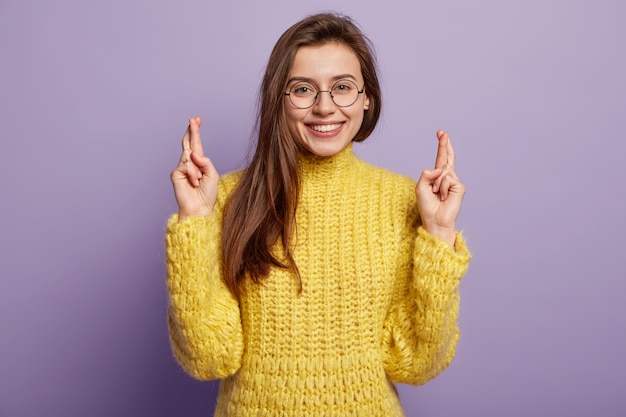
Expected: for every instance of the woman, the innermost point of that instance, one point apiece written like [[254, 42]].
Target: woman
[[311, 281]]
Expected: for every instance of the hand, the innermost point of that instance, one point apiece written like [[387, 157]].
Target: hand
[[195, 178], [440, 192]]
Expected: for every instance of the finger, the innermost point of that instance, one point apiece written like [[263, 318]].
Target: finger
[[437, 183], [185, 141], [195, 167], [451, 155], [453, 186], [446, 172], [428, 177], [195, 143], [204, 164], [188, 167], [452, 173], [185, 157], [444, 188], [442, 150], [209, 174], [188, 170]]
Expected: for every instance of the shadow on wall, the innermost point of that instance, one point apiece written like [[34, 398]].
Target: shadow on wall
[[182, 396], [176, 393]]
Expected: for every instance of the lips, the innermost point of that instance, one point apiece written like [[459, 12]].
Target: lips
[[325, 128]]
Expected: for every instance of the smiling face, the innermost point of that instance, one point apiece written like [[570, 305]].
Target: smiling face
[[325, 129]]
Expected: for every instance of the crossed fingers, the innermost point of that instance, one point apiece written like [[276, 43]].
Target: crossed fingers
[[445, 162], [192, 144]]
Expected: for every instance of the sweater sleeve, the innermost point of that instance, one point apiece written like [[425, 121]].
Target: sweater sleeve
[[203, 316], [421, 330]]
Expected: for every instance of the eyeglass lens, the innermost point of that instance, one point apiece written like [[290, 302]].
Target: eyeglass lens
[[344, 93]]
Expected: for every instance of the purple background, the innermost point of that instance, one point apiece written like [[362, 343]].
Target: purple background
[[94, 98]]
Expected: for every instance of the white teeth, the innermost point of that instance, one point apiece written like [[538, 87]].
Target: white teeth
[[325, 128]]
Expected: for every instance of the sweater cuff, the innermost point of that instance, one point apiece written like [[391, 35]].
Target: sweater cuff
[[173, 226], [434, 257], [193, 236], [192, 229]]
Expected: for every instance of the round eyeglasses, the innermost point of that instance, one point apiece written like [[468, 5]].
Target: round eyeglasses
[[344, 93]]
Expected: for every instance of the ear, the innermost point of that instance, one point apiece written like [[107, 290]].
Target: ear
[[366, 103]]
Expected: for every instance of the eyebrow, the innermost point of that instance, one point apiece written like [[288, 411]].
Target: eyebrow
[[333, 79]]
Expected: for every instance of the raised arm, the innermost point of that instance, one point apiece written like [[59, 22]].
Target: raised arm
[[203, 316], [421, 330]]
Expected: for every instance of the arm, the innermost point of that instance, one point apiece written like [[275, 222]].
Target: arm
[[421, 332], [203, 317]]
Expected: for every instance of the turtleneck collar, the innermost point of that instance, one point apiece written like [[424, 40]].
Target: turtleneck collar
[[326, 166]]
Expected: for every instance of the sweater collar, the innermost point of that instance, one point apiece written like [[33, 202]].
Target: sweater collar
[[312, 166]]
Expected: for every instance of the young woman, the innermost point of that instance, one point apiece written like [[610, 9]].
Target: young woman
[[312, 281]]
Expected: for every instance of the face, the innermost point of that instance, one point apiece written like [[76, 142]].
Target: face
[[325, 129]]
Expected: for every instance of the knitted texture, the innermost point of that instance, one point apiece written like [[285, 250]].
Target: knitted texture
[[379, 301]]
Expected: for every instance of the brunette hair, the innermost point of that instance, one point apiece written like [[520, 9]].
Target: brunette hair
[[261, 210]]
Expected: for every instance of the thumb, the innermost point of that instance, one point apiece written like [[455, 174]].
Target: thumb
[[429, 176]]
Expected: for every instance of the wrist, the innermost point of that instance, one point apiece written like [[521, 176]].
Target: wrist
[[183, 214], [446, 234]]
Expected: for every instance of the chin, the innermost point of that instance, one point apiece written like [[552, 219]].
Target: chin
[[325, 150]]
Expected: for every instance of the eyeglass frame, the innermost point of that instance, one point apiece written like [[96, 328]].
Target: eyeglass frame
[[317, 93]]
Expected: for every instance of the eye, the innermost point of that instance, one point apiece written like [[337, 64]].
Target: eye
[[303, 90], [344, 87]]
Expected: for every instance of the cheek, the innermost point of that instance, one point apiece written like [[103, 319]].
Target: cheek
[[294, 124], [358, 116], [292, 116]]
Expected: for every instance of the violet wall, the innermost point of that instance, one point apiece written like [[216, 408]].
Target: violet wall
[[94, 98]]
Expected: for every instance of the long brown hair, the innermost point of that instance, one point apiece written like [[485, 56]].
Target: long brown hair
[[262, 207]]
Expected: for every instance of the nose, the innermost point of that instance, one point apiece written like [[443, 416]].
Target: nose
[[324, 103]]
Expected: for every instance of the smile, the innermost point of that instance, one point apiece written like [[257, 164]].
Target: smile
[[325, 128]]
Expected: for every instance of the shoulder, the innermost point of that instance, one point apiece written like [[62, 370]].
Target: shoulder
[[398, 184], [229, 180], [227, 184], [394, 193]]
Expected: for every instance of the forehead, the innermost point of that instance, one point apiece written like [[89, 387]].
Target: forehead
[[323, 62]]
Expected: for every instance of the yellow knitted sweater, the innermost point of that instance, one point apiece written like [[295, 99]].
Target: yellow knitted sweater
[[379, 301]]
